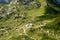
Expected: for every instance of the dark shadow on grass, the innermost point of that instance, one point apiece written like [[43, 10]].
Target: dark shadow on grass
[[53, 26], [46, 37], [49, 14]]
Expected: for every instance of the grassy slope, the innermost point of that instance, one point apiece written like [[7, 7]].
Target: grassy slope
[[49, 30]]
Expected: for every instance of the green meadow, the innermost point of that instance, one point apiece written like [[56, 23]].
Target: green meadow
[[29, 22]]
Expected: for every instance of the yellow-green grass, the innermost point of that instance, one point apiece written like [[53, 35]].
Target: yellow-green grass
[[38, 32]]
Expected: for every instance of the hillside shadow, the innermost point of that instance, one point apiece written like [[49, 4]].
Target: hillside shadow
[[48, 15], [46, 37]]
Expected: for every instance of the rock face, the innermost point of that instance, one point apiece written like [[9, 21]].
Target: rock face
[[5, 1], [58, 2], [25, 1], [54, 4]]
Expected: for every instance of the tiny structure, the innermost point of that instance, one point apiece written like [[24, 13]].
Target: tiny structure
[[29, 25]]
